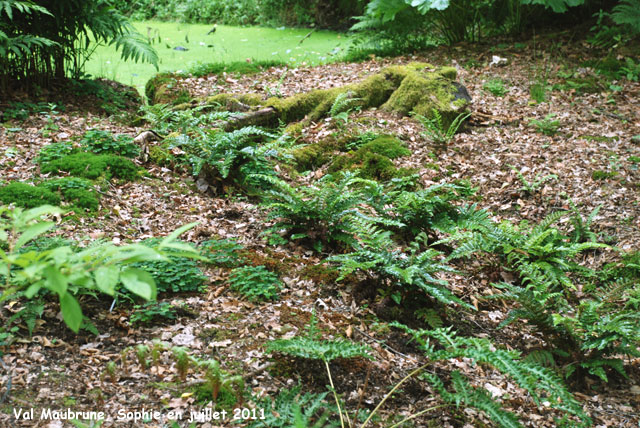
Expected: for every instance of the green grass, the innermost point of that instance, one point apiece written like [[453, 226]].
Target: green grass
[[228, 44]]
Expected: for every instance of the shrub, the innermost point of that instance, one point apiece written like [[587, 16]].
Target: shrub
[[65, 272], [27, 196], [546, 126], [91, 166], [255, 283], [102, 142]]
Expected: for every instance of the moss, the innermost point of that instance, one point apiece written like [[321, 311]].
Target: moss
[[161, 156], [311, 156], [386, 145], [294, 129], [373, 159], [229, 101], [27, 196], [91, 166], [423, 92], [373, 91], [162, 89], [603, 175]]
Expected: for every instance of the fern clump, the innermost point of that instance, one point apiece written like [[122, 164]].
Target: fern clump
[[321, 215], [293, 408], [27, 196], [229, 158], [399, 271], [91, 166], [541, 383]]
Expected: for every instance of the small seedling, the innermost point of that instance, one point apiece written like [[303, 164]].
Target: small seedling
[[142, 351], [183, 361], [547, 126], [112, 371], [530, 187], [255, 283]]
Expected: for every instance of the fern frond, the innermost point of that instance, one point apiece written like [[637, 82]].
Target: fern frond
[[627, 12]]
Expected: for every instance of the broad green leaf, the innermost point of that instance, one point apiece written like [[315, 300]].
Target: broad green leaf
[[32, 232], [55, 280], [106, 278], [174, 235], [38, 212], [139, 282], [71, 312]]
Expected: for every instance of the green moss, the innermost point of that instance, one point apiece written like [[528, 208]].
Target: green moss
[[91, 166], [603, 175], [373, 91], [422, 92], [27, 196], [159, 81], [386, 145], [229, 100], [160, 156], [373, 159], [311, 156]]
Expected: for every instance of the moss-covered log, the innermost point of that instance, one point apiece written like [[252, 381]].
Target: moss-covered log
[[416, 87]]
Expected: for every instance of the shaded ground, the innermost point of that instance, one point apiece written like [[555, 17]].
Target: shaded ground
[[57, 369]]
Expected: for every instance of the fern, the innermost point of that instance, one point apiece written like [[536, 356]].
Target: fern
[[136, 47], [378, 256], [342, 104], [324, 214], [293, 408], [541, 383], [440, 131], [627, 12]]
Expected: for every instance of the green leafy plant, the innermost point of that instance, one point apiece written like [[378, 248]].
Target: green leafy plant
[[541, 383], [176, 274], [152, 311], [222, 252], [397, 272], [311, 346], [496, 87], [255, 283], [54, 151], [547, 125], [436, 128], [530, 187], [293, 408], [582, 226], [322, 214], [66, 273], [91, 166], [102, 142], [631, 70]]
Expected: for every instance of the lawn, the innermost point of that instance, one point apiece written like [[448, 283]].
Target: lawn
[[226, 44]]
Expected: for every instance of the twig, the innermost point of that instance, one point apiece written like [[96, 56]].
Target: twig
[[307, 36], [385, 345]]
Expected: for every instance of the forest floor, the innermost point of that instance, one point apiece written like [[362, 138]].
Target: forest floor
[[597, 123]]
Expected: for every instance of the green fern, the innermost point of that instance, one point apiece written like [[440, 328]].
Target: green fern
[[541, 383], [379, 257], [627, 12], [436, 128], [530, 187], [293, 408]]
